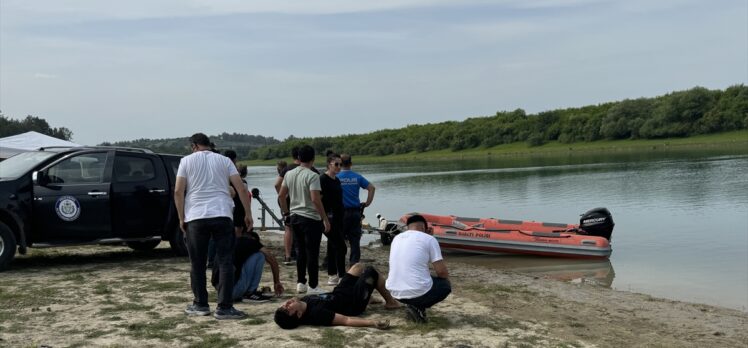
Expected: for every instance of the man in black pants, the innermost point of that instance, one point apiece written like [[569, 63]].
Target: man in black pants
[[347, 300], [205, 209], [307, 217]]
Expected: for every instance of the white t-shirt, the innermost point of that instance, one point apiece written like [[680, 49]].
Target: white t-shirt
[[207, 193], [411, 254]]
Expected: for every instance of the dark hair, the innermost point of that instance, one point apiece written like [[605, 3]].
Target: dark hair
[[331, 156], [242, 170], [295, 152], [231, 154], [306, 154], [285, 320], [416, 218], [200, 139], [213, 148], [346, 158], [280, 166]]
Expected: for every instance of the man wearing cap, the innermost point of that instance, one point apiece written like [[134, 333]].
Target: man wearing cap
[[410, 280], [351, 182]]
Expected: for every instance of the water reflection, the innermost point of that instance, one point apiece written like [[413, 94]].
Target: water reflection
[[595, 272]]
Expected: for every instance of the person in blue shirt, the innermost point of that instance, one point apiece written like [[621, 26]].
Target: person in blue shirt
[[352, 182]]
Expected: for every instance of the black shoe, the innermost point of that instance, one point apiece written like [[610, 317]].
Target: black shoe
[[257, 297], [230, 313], [416, 314]]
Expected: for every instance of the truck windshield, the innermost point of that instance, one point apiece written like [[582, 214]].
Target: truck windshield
[[21, 164]]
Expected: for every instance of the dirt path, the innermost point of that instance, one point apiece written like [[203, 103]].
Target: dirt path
[[104, 296]]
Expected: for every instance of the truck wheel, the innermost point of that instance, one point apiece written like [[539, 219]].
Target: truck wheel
[[7, 246], [143, 246], [177, 242]]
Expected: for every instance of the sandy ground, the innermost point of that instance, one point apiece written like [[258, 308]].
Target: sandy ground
[[111, 296]]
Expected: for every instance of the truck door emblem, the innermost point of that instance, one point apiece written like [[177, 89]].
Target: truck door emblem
[[68, 208]]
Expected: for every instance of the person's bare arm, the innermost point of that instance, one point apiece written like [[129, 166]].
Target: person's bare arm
[[342, 320], [270, 259], [370, 194], [179, 188], [317, 201], [236, 181], [440, 267], [278, 182]]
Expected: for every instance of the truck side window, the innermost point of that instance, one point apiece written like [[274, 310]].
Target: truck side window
[[83, 169], [133, 169]]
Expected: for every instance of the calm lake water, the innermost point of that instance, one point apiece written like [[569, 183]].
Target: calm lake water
[[681, 218]]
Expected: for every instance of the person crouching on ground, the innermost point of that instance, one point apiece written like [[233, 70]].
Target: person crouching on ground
[[410, 281], [339, 308], [249, 258]]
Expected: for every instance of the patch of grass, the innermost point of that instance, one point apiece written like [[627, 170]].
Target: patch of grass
[[493, 289], [125, 307], [333, 338], [215, 341], [300, 338], [73, 277], [101, 289], [435, 323], [175, 299], [253, 321], [114, 318], [569, 345], [98, 333], [32, 295], [159, 329], [493, 322], [78, 344], [154, 315], [161, 287]]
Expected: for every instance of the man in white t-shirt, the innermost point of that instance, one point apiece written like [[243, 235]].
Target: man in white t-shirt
[[410, 280], [205, 209]]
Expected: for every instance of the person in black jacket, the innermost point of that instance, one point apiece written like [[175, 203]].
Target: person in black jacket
[[349, 299], [332, 200]]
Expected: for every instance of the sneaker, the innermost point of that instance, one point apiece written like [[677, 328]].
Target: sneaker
[[301, 288], [316, 291], [415, 314], [194, 309], [334, 280], [287, 261], [230, 313], [257, 297]]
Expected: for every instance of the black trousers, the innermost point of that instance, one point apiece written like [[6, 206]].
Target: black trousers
[[199, 233], [308, 234]]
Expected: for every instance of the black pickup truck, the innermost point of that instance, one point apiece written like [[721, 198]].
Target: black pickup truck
[[87, 195]]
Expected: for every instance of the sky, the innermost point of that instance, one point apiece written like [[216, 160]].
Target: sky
[[124, 70]]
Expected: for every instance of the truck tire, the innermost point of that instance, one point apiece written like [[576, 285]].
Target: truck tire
[[143, 246], [177, 242], [7, 246]]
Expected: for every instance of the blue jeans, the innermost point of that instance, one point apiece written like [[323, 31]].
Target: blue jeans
[[250, 275], [199, 233], [352, 232], [438, 292]]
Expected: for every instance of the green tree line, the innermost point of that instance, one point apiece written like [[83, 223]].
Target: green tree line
[[677, 114], [243, 144], [9, 126]]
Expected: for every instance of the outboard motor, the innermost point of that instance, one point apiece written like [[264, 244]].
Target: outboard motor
[[597, 222]]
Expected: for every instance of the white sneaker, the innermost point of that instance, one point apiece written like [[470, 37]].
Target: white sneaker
[[316, 291], [301, 288], [334, 280]]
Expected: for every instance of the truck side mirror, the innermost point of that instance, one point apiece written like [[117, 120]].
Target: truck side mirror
[[39, 178]]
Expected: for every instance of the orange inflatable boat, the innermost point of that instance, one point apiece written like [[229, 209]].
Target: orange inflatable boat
[[589, 239]]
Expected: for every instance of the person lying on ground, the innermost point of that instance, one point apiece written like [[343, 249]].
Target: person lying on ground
[[339, 308]]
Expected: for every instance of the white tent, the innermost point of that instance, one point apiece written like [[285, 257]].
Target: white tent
[[29, 141]]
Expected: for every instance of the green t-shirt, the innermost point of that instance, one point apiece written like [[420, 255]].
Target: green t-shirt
[[300, 181]]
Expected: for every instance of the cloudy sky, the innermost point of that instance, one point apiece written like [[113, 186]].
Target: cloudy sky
[[121, 70]]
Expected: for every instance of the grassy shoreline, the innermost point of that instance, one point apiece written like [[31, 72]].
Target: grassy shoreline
[[734, 140]]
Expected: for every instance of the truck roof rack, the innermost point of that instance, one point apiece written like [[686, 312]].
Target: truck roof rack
[[120, 148]]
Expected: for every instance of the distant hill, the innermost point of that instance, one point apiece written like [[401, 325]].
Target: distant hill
[[243, 144], [678, 114]]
